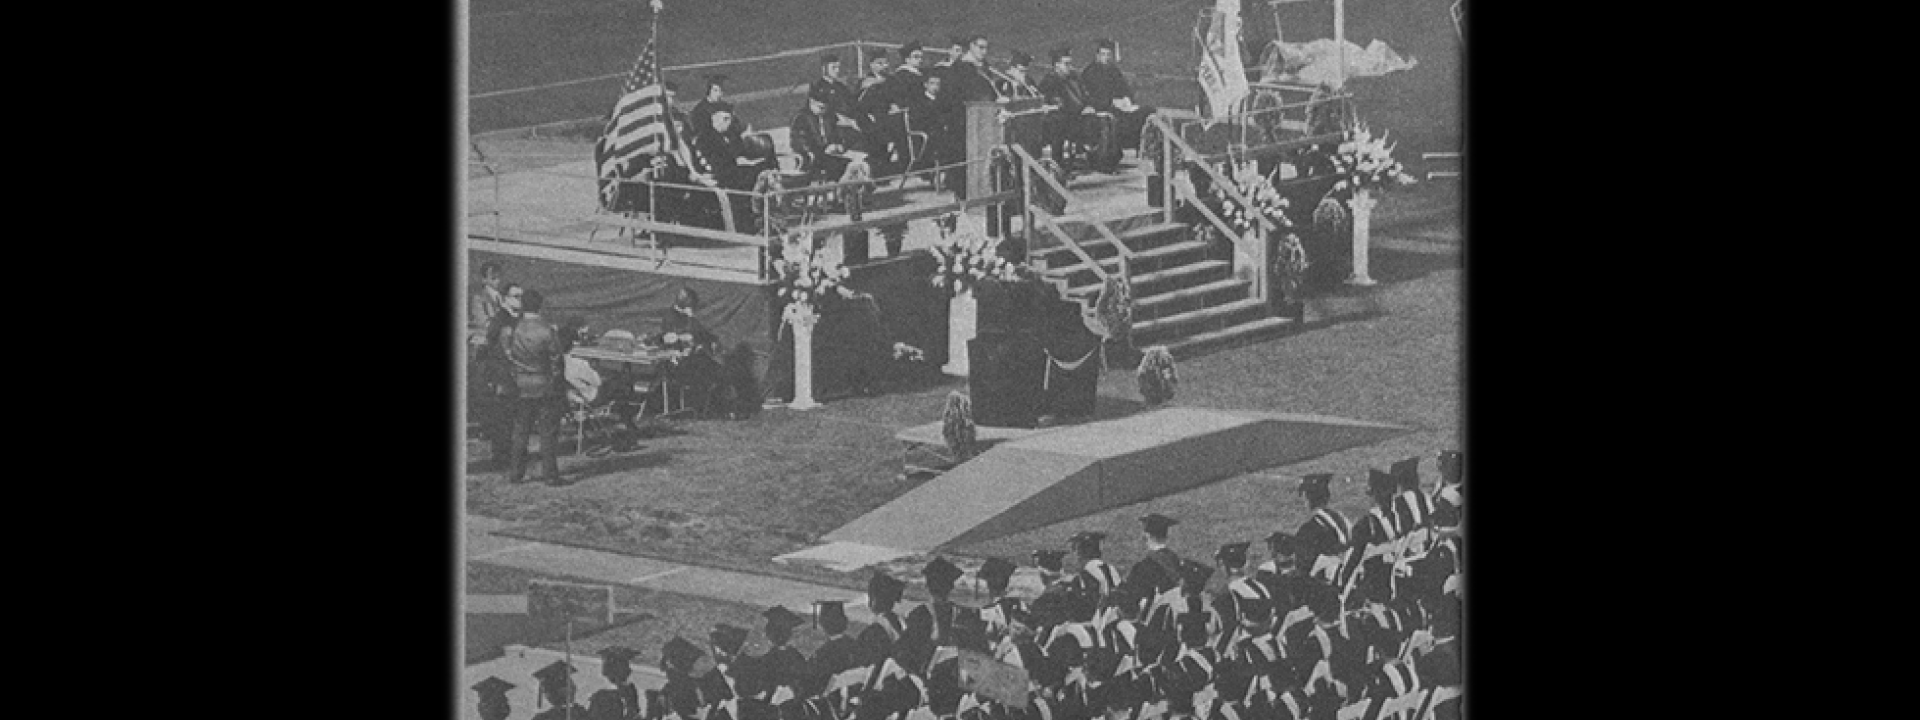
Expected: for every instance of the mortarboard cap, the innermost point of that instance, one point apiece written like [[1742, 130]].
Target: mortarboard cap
[[1021, 59], [1157, 524], [1233, 554], [1105, 44], [995, 571], [1408, 471], [553, 674], [779, 616], [1086, 539], [617, 654], [680, 653], [940, 573], [492, 687], [1048, 560], [830, 612], [1059, 52], [884, 587], [912, 46], [1318, 481], [1379, 482], [728, 638]]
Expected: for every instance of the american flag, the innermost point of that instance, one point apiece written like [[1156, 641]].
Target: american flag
[[638, 124]]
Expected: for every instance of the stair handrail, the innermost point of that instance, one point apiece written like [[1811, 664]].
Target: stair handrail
[[1029, 167], [1258, 249]]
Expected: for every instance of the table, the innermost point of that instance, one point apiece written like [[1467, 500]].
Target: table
[[650, 363]]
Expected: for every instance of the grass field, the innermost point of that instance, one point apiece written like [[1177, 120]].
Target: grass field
[[518, 44]]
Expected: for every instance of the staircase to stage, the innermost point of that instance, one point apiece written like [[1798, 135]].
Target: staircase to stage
[[1185, 292]]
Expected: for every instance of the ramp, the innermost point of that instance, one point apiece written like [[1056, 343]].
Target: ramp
[[1058, 475]]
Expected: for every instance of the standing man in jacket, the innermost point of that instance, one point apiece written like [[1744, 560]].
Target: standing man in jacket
[[533, 351]]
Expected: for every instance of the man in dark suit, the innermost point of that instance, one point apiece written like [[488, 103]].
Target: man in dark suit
[[701, 117], [1108, 91], [889, 107], [697, 375], [967, 79], [533, 350], [829, 87], [1074, 120], [819, 140]]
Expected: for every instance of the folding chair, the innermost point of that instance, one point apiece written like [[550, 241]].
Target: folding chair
[[914, 152]]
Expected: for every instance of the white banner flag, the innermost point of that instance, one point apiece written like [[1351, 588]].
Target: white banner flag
[[1222, 74]]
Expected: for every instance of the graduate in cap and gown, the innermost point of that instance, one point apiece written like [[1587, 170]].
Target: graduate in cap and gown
[[787, 671], [493, 698], [837, 654], [1447, 500], [1246, 605], [1159, 571], [1187, 599], [1097, 577], [939, 615], [677, 658], [883, 592], [624, 697], [1325, 539], [1412, 509], [1281, 573], [997, 573], [721, 683], [1374, 540], [556, 690]]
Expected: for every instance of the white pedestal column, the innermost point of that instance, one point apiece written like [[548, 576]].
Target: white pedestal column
[[803, 318], [962, 312], [1362, 206]]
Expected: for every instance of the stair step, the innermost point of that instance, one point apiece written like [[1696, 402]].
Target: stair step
[[1196, 316], [1167, 274], [1184, 293], [1098, 245], [1113, 262], [1185, 347]]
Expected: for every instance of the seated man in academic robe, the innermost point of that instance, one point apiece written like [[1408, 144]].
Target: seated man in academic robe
[[1108, 91]]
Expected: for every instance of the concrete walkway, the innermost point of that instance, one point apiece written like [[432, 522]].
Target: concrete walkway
[[482, 546]]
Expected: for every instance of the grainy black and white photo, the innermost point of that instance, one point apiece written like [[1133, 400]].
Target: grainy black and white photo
[[961, 360]]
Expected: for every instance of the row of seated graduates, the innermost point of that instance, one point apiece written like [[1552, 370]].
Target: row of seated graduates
[[1337, 616]]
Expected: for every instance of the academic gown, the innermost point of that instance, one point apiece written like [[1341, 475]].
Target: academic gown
[[559, 712]]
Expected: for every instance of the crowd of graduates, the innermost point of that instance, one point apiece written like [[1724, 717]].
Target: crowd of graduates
[[1339, 615]]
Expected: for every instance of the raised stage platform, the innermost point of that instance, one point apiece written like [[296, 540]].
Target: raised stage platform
[[1053, 475]]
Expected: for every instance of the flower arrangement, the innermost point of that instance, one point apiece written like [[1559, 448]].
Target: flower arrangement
[[1114, 308], [1257, 189], [1157, 377], [956, 425], [968, 259], [1290, 261], [805, 276], [1367, 162]]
